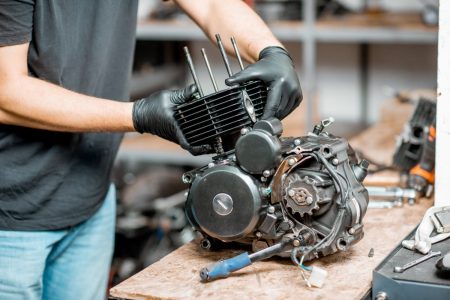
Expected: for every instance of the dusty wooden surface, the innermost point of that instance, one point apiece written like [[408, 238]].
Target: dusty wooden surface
[[176, 276]]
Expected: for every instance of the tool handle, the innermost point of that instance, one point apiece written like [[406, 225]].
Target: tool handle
[[225, 267]]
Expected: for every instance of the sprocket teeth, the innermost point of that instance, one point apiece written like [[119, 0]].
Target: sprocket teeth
[[290, 203]]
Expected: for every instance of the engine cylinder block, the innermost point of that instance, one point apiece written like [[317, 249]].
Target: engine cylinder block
[[221, 114]]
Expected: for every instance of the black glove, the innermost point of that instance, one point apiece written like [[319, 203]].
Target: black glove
[[155, 115], [274, 68]]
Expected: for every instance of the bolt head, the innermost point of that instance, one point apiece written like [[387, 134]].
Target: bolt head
[[244, 131], [297, 142], [381, 296], [258, 234], [291, 193], [291, 161], [186, 178], [210, 165], [295, 243], [351, 230], [266, 173], [271, 209], [309, 200], [335, 161]]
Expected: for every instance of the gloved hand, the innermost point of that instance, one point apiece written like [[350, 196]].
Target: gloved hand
[[155, 115], [275, 68]]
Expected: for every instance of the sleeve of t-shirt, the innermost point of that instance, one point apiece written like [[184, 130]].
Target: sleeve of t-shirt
[[16, 21]]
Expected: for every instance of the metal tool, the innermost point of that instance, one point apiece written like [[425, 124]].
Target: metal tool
[[224, 55], [236, 51], [208, 66], [223, 268], [399, 269], [192, 69], [392, 196]]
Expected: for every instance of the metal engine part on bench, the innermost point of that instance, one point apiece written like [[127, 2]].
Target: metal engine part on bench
[[291, 196]]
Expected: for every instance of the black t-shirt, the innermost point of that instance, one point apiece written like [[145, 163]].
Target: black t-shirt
[[51, 180]]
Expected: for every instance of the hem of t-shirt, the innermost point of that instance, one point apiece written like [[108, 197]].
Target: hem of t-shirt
[[47, 224], [11, 40]]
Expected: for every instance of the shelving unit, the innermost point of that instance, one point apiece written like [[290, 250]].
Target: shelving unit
[[361, 29], [355, 28]]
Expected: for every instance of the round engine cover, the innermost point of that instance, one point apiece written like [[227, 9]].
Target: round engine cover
[[225, 203]]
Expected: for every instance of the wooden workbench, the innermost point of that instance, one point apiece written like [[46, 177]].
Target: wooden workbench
[[176, 276]]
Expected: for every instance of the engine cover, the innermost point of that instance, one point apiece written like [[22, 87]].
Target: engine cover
[[224, 202]]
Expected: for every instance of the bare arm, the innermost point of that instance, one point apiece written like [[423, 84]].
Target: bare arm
[[31, 102], [231, 18]]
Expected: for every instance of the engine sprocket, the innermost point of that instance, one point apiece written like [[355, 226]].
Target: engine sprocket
[[301, 194]]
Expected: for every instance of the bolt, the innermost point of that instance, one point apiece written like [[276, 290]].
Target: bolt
[[205, 244], [291, 193], [351, 231], [381, 296], [244, 131], [335, 161], [292, 161], [295, 243], [297, 142], [309, 200], [258, 234], [210, 165], [271, 209], [233, 158], [186, 178], [266, 173]]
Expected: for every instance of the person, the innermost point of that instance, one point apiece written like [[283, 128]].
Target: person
[[64, 78]]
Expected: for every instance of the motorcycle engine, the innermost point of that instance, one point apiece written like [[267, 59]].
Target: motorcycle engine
[[261, 188]]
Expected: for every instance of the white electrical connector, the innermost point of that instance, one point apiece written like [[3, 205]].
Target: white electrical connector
[[317, 277]]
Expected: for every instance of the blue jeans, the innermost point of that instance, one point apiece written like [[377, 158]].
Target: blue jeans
[[60, 264]]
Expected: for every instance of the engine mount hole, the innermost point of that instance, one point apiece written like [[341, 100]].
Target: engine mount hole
[[341, 244]]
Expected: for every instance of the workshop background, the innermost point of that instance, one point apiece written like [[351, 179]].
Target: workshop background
[[351, 56]]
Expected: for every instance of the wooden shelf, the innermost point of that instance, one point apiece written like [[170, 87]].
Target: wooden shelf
[[352, 28]]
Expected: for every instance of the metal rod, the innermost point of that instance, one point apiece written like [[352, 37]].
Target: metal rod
[[224, 54], [208, 66], [236, 51], [192, 69]]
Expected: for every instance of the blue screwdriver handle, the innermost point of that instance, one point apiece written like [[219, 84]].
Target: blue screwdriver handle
[[225, 267]]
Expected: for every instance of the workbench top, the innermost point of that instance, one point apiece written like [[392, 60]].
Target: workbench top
[[176, 276]]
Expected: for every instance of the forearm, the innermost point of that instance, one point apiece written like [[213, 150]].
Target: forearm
[[31, 102], [231, 18]]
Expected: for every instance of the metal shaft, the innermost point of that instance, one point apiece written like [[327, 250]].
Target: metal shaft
[[224, 54], [236, 51], [416, 262], [192, 69], [208, 66]]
